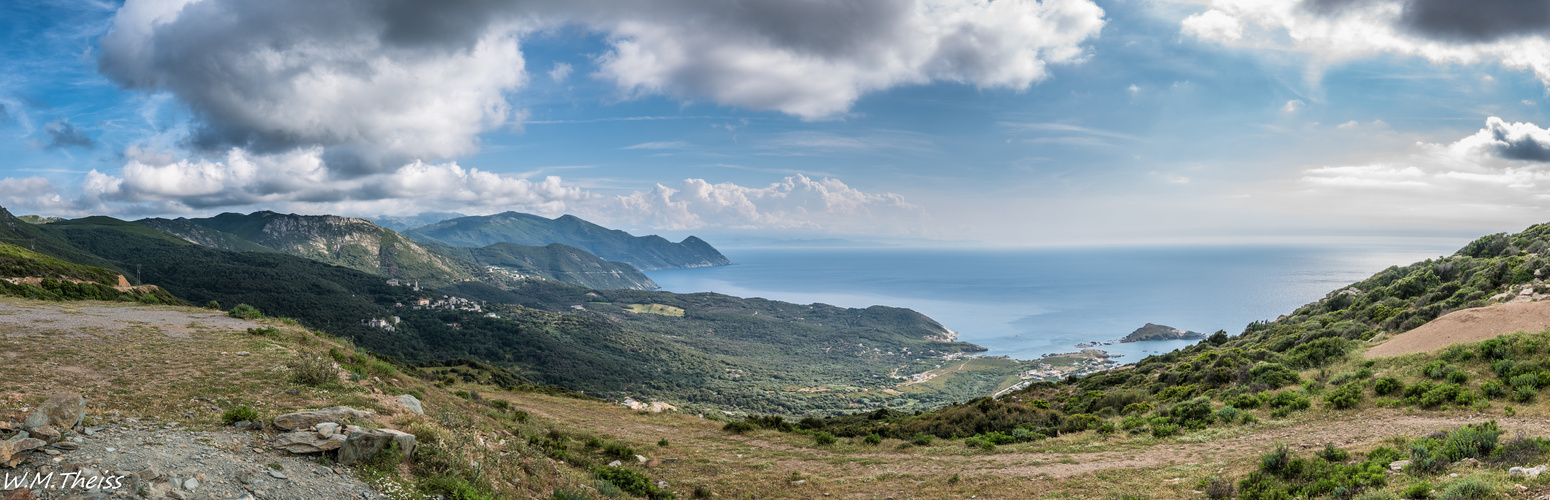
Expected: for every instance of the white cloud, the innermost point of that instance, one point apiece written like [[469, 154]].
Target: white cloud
[[283, 75], [1498, 175], [560, 72], [1214, 25], [1442, 31], [1293, 106], [814, 59], [796, 202], [153, 183]]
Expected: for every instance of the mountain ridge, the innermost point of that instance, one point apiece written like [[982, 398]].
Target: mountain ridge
[[650, 252]]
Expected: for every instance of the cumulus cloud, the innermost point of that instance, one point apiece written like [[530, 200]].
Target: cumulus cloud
[[61, 134], [1500, 173], [376, 84], [796, 202], [1511, 32], [815, 58], [380, 84], [157, 183], [1293, 106]]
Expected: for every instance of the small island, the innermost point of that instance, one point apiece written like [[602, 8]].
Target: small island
[[1161, 332]]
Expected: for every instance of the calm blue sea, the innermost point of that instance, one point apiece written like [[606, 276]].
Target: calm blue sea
[[1027, 303]]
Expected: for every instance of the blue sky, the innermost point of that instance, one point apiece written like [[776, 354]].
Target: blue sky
[[959, 122]]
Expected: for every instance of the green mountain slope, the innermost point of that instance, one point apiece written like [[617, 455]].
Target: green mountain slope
[[644, 252], [508, 261], [362, 245], [345, 241], [203, 236]]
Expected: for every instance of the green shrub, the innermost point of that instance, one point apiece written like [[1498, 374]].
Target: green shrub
[[244, 311], [1493, 389], [630, 481], [212, 305], [1290, 400], [1418, 491], [1164, 430], [1273, 375], [1458, 377], [1388, 385], [239, 414], [1347, 396], [739, 427], [1332, 454], [873, 438], [921, 439], [1469, 488], [312, 370], [824, 438]]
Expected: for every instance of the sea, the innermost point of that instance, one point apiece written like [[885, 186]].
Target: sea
[[1027, 303]]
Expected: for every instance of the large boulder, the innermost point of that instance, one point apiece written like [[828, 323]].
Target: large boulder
[[61, 411], [363, 444], [13, 450], [304, 442], [412, 403], [307, 419]]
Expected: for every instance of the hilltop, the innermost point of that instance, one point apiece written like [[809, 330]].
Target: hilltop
[[364, 246], [644, 252], [1159, 332]]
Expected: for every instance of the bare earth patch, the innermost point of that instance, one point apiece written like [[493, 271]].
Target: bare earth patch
[[32, 317], [1468, 325]]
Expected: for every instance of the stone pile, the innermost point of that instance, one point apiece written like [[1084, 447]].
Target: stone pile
[[330, 429]]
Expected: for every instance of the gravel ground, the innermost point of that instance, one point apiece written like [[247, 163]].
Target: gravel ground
[[35, 317], [167, 461]]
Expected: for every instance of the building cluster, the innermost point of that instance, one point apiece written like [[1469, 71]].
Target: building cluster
[[509, 273], [446, 302], [385, 324], [399, 282]]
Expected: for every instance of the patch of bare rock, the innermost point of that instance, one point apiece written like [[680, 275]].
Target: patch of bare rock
[[50, 455]]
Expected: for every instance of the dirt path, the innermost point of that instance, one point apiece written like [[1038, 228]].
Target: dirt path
[[1468, 325]]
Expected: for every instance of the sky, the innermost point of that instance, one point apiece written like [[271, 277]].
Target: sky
[[956, 122]]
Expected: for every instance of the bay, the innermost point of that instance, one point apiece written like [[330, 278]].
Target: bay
[[1025, 303]]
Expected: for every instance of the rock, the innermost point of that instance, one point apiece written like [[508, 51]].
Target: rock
[[62, 411], [363, 444], [149, 474], [654, 463], [12, 450], [303, 442], [307, 419], [1468, 462], [247, 425], [191, 484], [292, 392], [640, 459], [1528, 472], [47, 433], [615, 463], [67, 445], [662, 484], [19, 494], [277, 475], [328, 428], [242, 353], [1398, 465], [412, 403]]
